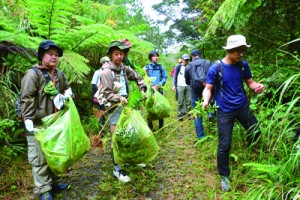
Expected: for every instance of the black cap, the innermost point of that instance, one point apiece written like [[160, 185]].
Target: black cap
[[195, 52], [152, 53], [45, 45]]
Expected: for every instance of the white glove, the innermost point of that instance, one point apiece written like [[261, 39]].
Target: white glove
[[29, 126], [59, 101], [68, 93]]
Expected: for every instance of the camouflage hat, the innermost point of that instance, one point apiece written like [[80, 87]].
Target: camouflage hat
[[126, 43], [104, 59], [116, 44]]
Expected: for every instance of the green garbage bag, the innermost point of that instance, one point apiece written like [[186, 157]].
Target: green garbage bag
[[157, 106], [133, 141], [62, 138]]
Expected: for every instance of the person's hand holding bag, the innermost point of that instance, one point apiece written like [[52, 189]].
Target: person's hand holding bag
[[29, 126]]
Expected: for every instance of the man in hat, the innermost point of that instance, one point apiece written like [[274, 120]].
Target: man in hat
[[231, 100], [38, 100], [195, 75], [114, 83], [181, 88]]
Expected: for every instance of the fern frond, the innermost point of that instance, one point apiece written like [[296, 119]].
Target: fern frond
[[74, 66], [49, 17], [232, 13]]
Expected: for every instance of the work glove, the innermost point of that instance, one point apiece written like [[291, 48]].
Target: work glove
[[29, 126], [68, 93], [59, 101]]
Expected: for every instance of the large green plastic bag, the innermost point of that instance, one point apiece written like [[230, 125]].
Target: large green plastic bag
[[157, 106], [62, 138], [133, 141]]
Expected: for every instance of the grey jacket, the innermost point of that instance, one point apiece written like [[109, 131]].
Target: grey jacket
[[111, 74], [35, 104]]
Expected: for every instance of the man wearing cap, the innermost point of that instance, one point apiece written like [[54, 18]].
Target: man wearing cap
[[195, 75], [231, 101], [39, 99], [183, 90], [113, 74]]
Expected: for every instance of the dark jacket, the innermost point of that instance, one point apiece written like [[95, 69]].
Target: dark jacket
[[177, 70]]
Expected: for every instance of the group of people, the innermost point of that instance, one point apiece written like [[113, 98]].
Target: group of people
[[112, 84]]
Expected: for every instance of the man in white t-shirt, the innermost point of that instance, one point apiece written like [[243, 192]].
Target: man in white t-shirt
[[97, 74], [183, 90]]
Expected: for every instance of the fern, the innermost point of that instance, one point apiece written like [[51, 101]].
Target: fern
[[74, 66], [49, 18], [232, 13]]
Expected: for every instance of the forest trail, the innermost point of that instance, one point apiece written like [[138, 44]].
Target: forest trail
[[181, 170]]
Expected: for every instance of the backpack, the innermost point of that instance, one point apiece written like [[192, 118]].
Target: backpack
[[160, 69], [18, 101], [219, 82], [198, 74]]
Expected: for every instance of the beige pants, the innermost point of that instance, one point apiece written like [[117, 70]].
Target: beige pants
[[42, 175]]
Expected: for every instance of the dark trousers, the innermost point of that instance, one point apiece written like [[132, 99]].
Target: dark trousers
[[160, 124], [225, 126]]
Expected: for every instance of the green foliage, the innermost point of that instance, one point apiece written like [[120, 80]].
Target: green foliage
[[11, 146], [232, 13], [74, 66], [276, 169]]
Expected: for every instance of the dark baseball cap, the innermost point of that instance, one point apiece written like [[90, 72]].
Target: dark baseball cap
[[195, 52]]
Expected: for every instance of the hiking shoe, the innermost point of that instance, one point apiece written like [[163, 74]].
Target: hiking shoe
[[225, 183], [46, 196], [120, 174], [61, 186], [141, 165]]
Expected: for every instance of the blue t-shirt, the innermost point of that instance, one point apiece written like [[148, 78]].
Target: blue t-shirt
[[233, 96]]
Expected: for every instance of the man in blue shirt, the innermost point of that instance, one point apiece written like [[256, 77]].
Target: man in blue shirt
[[154, 69], [232, 101]]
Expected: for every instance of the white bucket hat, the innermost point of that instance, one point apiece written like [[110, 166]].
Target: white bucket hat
[[234, 41], [185, 57]]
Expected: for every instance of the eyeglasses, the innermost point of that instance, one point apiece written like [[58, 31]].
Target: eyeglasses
[[240, 50]]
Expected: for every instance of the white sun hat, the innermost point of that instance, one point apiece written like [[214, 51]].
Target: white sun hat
[[234, 41]]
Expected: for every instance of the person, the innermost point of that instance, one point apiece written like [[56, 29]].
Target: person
[[179, 61], [183, 90], [158, 72], [113, 73], [39, 99], [95, 82], [97, 74], [195, 75], [232, 101]]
